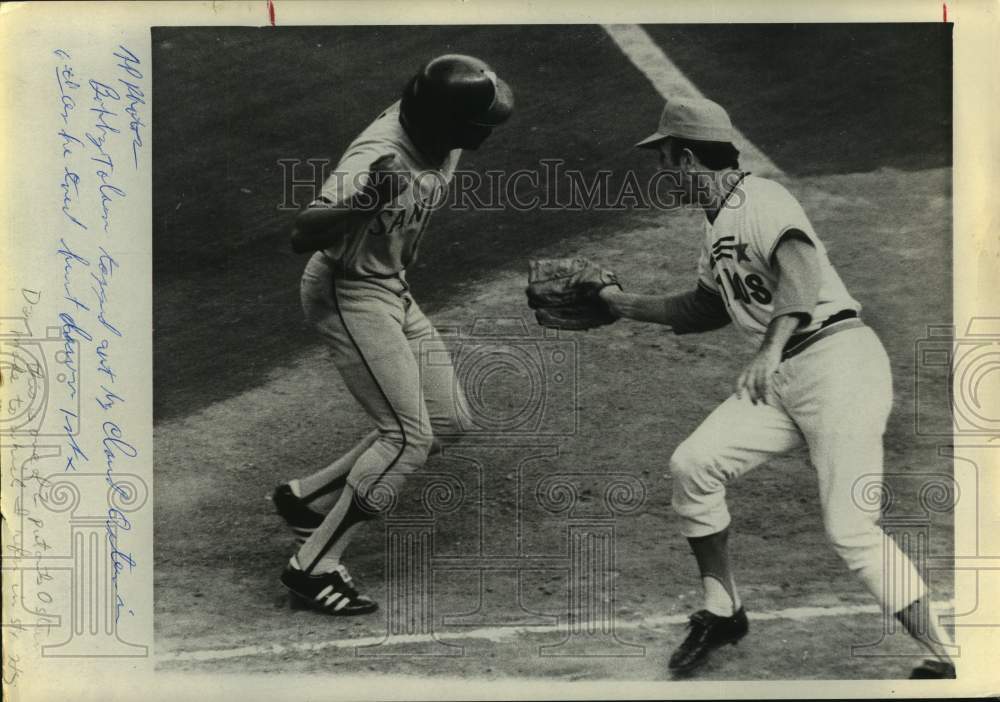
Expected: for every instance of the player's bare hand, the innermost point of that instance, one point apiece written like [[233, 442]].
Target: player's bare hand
[[387, 180], [757, 379]]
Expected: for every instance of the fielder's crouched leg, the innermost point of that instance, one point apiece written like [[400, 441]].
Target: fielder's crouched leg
[[735, 438], [699, 498], [699, 491]]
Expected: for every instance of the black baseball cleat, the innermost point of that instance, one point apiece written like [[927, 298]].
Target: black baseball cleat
[[707, 632], [330, 593], [296, 513], [932, 669]]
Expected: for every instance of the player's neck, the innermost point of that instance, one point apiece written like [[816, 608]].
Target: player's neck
[[432, 152], [720, 187]]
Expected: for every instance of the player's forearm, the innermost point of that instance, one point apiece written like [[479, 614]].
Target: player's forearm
[[779, 331], [642, 308], [320, 227], [324, 222], [693, 311]]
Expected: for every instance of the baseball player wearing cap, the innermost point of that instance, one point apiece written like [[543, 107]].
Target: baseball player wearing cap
[[364, 229], [820, 378]]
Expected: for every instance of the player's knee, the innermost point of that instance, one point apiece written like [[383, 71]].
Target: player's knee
[[418, 445], [689, 462], [407, 447], [853, 538], [391, 442]]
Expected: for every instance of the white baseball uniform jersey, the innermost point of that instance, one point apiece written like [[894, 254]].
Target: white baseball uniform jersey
[[387, 243], [736, 257], [834, 396]]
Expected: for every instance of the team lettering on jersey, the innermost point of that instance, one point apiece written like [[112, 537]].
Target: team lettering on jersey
[[737, 287], [744, 289], [725, 246], [393, 219], [736, 253]]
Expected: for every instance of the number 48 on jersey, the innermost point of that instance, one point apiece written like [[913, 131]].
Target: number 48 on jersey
[[743, 289]]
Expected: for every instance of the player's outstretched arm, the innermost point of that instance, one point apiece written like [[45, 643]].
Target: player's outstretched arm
[[695, 311]]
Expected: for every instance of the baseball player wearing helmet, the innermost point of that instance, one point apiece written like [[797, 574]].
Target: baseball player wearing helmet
[[364, 229], [820, 378]]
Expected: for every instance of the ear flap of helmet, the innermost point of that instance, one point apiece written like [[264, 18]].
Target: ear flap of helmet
[[457, 90], [501, 106]]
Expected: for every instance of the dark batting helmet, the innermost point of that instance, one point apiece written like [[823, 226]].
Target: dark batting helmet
[[459, 98]]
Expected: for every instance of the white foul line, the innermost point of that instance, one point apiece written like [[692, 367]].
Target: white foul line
[[497, 634], [668, 80]]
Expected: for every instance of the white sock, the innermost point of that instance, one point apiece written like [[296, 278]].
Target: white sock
[[717, 599], [295, 487]]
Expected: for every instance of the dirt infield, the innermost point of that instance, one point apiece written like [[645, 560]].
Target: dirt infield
[[266, 405], [634, 413]]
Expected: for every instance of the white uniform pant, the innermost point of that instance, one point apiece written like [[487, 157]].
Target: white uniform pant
[[835, 396], [394, 364]]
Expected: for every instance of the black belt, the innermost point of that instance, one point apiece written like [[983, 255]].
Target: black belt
[[800, 342]]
